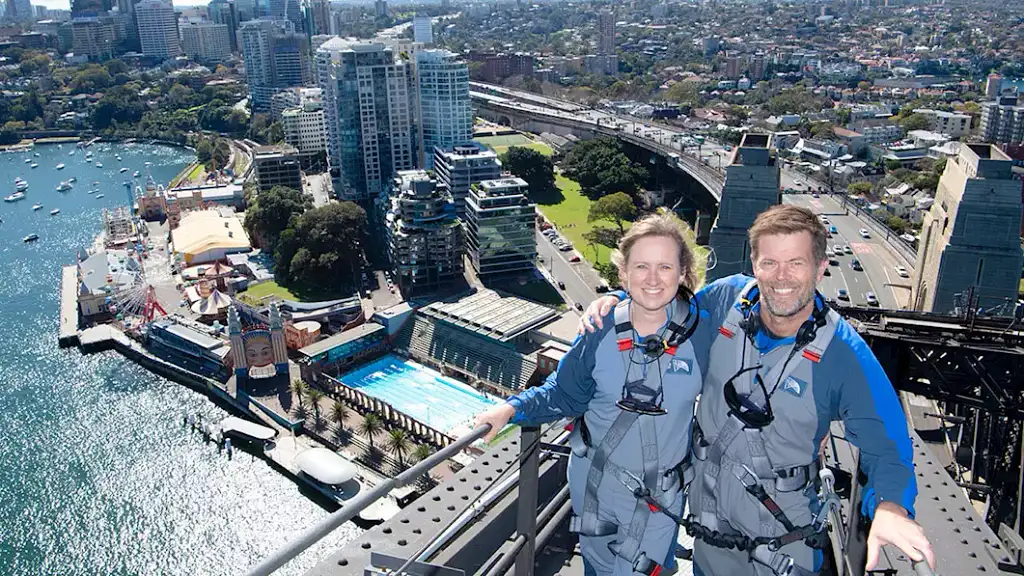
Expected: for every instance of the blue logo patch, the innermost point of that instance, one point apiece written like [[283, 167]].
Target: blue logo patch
[[680, 366], [794, 386]]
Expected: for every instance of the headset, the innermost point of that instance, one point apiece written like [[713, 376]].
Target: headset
[[653, 347], [751, 325]]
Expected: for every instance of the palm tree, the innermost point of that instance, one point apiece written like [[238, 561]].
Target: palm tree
[[421, 452], [315, 396], [371, 427], [398, 442], [339, 415], [299, 388]]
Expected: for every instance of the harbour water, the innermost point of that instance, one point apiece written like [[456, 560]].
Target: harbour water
[[97, 473]]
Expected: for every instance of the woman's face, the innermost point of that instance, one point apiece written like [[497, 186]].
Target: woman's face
[[652, 274], [259, 352]]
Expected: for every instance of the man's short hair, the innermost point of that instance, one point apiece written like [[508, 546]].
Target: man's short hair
[[788, 219]]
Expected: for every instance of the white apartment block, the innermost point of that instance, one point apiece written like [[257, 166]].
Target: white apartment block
[[1002, 121], [158, 29], [305, 129], [446, 114], [206, 42], [422, 30], [951, 124]]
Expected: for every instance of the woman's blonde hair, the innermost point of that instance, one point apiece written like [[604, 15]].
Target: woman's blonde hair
[[669, 226]]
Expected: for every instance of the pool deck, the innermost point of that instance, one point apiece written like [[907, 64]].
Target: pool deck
[[68, 334]]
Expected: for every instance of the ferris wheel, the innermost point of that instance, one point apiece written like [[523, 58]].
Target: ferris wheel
[[135, 305]]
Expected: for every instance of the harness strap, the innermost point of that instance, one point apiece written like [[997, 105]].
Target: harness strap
[[642, 512], [616, 432]]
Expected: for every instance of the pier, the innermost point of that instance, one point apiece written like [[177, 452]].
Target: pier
[[68, 334]]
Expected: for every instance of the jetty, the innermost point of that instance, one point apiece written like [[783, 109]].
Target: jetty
[[68, 335]]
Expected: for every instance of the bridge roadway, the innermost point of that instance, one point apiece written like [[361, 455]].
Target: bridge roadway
[[661, 139]]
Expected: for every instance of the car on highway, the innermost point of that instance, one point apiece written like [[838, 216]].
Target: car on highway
[[842, 294], [827, 273], [601, 289], [847, 249], [833, 262], [574, 258], [870, 298], [833, 230], [855, 264], [864, 233], [579, 307], [837, 249], [828, 251], [824, 220], [815, 195], [561, 285], [902, 272]]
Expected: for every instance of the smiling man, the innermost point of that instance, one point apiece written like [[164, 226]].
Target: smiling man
[[782, 367]]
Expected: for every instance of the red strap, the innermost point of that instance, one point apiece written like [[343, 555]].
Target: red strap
[[725, 332], [656, 571], [671, 350], [625, 344], [812, 356], [569, 427]]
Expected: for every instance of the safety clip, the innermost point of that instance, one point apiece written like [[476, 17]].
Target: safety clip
[[747, 474], [634, 484], [828, 498]]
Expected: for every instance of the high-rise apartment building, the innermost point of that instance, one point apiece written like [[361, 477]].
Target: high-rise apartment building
[[1002, 121], [87, 8], [320, 16], [501, 228], [368, 92], [422, 30], [380, 8], [225, 12], [93, 38], [19, 11], [286, 10], [751, 186], [446, 114], [757, 67], [276, 57], [733, 67], [286, 98], [158, 28], [423, 234], [951, 124], [606, 32], [206, 42], [970, 254], [462, 166]]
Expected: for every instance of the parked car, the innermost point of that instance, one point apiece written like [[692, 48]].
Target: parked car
[[574, 258]]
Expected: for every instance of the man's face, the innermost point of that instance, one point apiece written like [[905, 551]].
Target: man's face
[[787, 272]]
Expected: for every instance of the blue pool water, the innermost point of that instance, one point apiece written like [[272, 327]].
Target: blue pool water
[[423, 393]]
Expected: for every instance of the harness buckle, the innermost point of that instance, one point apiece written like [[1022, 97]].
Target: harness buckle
[[634, 484], [747, 474]]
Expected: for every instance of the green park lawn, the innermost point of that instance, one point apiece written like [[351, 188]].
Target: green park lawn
[[270, 288], [573, 209], [500, 144]]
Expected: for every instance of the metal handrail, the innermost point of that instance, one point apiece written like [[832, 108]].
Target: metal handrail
[[318, 531]]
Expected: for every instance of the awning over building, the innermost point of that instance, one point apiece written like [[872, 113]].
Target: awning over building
[[325, 466]]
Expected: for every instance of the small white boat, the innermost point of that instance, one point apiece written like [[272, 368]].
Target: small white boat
[[123, 170], [15, 197], [33, 165], [60, 166], [28, 160], [55, 211], [30, 238], [88, 153], [91, 192], [20, 185], [37, 207], [98, 165], [135, 174], [118, 158], [36, 154], [99, 195], [64, 186], [72, 153], [73, 179]]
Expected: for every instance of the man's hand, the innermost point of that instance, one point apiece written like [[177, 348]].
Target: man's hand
[[592, 317], [497, 417], [892, 526]]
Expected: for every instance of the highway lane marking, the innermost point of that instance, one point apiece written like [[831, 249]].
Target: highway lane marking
[[861, 248]]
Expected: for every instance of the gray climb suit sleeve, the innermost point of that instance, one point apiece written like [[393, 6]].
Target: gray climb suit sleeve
[[567, 392]]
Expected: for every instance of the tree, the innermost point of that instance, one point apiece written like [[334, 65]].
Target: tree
[[203, 151], [914, 121], [299, 389], [326, 247], [896, 224], [371, 427], [399, 444], [115, 67], [893, 164], [420, 453], [221, 153], [617, 207], [315, 396], [601, 167], [532, 166], [91, 79], [858, 188], [339, 415], [273, 213]]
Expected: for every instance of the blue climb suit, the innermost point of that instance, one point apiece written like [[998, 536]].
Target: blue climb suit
[[618, 535], [832, 376]]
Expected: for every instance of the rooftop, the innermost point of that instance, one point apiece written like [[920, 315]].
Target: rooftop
[[488, 313], [341, 338]]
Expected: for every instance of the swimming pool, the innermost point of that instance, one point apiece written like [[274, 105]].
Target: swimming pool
[[440, 402]]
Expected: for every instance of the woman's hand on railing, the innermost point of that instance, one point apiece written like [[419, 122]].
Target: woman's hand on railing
[[496, 417]]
